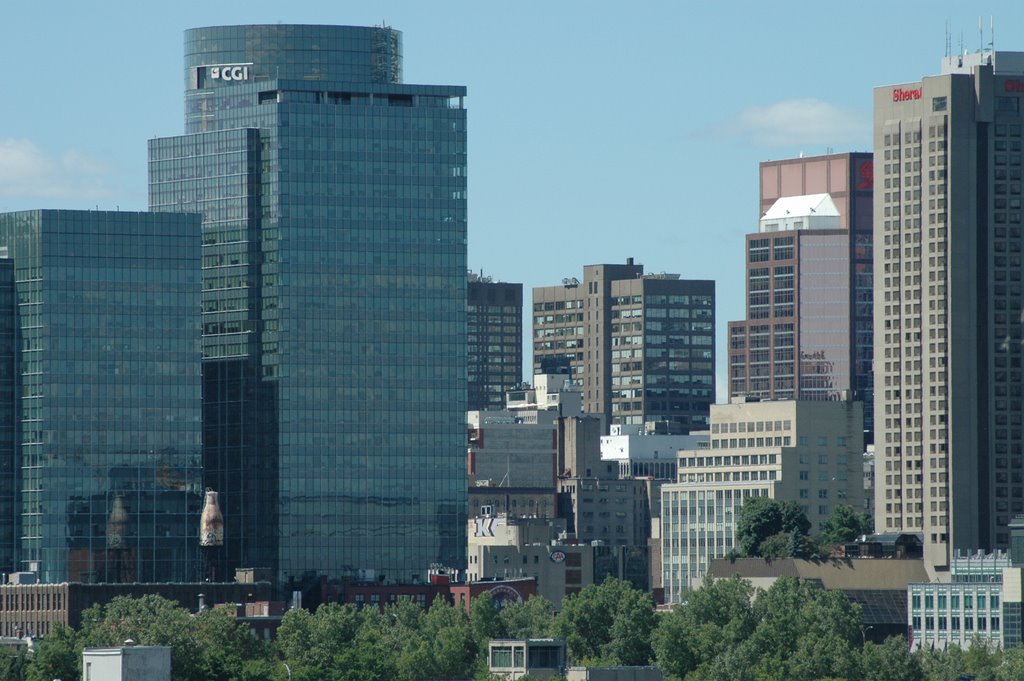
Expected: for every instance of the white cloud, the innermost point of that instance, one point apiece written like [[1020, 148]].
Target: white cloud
[[794, 122], [28, 172]]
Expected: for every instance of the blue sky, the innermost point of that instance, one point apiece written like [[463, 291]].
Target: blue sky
[[597, 130]]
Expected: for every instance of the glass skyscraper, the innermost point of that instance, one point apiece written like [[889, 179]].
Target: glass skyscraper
[[101, 307], [334, 297]]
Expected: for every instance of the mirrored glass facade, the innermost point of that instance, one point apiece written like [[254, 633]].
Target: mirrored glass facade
[[108, 415], [334, 297]]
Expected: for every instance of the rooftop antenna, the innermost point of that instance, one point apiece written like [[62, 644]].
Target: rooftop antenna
[[981, 35], [992, 33], [949, 40]]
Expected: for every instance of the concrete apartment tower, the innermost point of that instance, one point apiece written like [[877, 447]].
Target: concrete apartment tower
[[948, 304], [640, 347], [333, 198]]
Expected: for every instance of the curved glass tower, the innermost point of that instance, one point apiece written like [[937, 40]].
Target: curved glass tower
[[334, 295]]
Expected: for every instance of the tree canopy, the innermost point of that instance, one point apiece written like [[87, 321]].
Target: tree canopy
[[725, 631]]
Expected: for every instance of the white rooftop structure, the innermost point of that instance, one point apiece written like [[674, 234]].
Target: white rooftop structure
[[1002, 63], [640, 454], [811, 211], [549, 392]]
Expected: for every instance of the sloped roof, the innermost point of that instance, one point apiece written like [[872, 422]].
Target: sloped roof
[[833, 573], [820, 205]]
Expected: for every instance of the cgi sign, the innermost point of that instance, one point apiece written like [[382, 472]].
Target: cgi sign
[[1013, 85], [228, 72], [901, 95]]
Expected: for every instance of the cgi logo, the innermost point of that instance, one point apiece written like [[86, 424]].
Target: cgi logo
[[229, 72], [1013, 85], [901, 95]]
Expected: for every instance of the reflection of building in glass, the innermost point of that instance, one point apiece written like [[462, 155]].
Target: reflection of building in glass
[[808, 328], [8, 413], [646, 352], [108, 459], [334, 297]]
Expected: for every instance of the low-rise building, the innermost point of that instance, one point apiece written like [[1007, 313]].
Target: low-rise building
[[506, 547], [540, 658], [877, 585], [615, 512], [802, 451], [33, 609], [640, 452], [981, 602], [127, 663], [613, 674]]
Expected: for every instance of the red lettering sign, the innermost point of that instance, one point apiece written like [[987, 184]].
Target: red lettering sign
[[901, 95], [1013, 85], [867, 175]]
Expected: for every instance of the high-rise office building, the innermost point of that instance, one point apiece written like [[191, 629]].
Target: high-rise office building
[[494, 323], [949, 453], [808, 328], [333, 198], [108, 408], [8, 414], [639, 347]]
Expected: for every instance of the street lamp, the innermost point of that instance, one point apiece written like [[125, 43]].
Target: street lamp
[[288, 669], [864, 635]]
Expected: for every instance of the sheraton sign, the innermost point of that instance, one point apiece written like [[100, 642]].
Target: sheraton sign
[[901, 95]]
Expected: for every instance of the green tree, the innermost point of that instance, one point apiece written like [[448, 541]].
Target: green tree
[[58, 656], [804, 631], [775, 546], [533, 618], [150, 620], [609, 623], [13, 663], [890, 661], [445, 646], [486, 620], [845, 524], [227, 651], [339, 643], [798, 546], [714, 620], [760, 518], [1012, 666], [942, 665], [793, 518]]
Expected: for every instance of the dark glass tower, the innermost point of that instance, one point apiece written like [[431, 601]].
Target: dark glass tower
[[494, 320], [334, 297], [108, 408]]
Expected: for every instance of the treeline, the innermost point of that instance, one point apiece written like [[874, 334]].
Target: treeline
[[723, 632]]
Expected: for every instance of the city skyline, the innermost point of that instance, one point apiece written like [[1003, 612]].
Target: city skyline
[[580, 124]]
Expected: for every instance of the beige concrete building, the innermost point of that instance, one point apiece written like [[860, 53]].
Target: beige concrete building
[[948, 299], [809, 452], [505, 547]]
